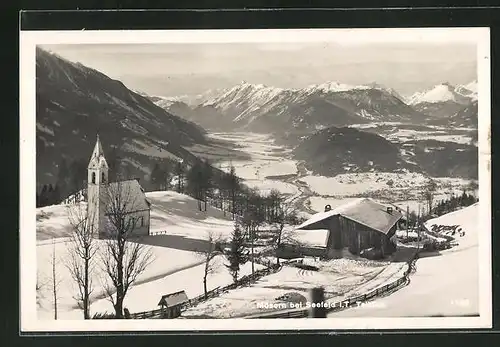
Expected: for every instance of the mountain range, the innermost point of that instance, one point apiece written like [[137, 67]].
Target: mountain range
[[260, 108], [74, 103]]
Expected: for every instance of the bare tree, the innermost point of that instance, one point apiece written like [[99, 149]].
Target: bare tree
[[55, 278], [39, 293], [252, 220], [428, 195], [283, 215], [208, 255], [82, 249], [124, 258]]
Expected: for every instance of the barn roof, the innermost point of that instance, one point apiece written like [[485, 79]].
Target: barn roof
[[131, 193], [363, 211], [173, 299], [309, 238]]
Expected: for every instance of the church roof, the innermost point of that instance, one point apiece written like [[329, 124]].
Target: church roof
[[97, 159], [131, 194]]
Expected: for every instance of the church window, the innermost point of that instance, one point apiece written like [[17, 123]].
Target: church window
[[103, 179], [93, 177]]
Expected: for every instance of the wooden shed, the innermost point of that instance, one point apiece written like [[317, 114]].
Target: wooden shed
[[357, 225], [171, 304]]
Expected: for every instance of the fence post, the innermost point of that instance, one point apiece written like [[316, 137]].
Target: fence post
[[317, 300]]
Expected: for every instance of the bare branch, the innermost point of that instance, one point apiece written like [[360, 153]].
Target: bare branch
[[123, 257], [82, 250]]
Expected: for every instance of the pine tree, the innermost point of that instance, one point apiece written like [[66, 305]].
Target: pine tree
[[179, 173], [236, 255], [166, 169], [56, 194], [233, 186], [194, 180], [44, 196], [156, 176], [207, 181]]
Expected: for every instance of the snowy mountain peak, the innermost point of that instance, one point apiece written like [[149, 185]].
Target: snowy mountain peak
[[332, 86], [245, 92], [440, 93], [472, 86]]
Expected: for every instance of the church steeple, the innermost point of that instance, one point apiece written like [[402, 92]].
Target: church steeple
[[98, 167], [96, 181]]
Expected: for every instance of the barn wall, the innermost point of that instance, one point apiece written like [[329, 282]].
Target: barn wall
[[345, 233]]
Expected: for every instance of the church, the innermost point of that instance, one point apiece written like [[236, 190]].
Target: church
[[107, 200]]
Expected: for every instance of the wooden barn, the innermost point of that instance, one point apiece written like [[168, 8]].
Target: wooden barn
[[362, 224]]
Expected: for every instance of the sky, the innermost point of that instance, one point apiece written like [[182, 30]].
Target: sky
[[179, 69]]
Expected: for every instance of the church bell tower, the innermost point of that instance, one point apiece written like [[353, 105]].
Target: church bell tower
[[97, 178]]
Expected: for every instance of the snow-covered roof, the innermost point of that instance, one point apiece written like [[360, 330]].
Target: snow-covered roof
[[173, 299], [131, 193], [311, 238], [363, 211]]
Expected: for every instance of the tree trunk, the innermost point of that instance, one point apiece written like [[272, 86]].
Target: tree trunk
[[205, 285], [54, 284], [119, 290], [252, 237], [86, 289]]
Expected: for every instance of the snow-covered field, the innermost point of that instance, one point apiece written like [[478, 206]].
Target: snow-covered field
[[402, 189], [266, 186], [267, 160], [172, 213], [166, 261], [339, 277], [443, 285], [403, 135], [178, 214], [145, 297]]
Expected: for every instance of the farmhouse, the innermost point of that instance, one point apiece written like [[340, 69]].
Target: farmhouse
[[109, 200], [362, 224]]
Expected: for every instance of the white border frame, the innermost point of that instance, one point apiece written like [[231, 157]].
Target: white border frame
[[27, 232]]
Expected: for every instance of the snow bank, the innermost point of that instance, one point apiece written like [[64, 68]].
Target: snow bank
[[466, 221], [443, 285]]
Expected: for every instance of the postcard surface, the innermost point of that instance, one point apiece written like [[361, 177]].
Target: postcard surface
[[184, 180]]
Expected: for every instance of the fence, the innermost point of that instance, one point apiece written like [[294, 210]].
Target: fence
[[243, 281], [343, 304]]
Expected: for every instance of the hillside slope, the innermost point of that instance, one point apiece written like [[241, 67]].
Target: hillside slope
[[339, 150], [75, 103], [334, 151]]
